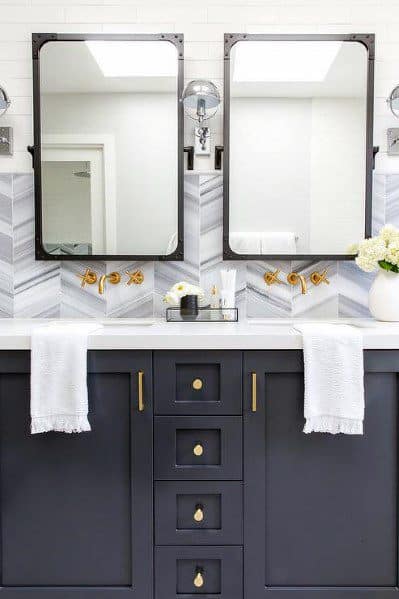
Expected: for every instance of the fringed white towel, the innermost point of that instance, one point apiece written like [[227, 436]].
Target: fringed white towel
[[59, 399], [334, 378]]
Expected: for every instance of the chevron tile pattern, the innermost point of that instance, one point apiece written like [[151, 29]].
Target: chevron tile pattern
[[30, 288]]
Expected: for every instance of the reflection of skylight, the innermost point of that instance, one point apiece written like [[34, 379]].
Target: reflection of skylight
[[134, 59], [283, 61]]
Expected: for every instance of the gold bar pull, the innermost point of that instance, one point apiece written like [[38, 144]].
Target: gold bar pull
[[140, 376], [254, 397], [198, 580]]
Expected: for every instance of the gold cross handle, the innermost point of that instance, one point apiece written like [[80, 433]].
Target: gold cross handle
[[319, 277], [88, 278], [271, 277], [135, 278]]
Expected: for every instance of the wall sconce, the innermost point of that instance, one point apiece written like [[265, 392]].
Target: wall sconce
[[6, 146], [393, 132], [201, 100]]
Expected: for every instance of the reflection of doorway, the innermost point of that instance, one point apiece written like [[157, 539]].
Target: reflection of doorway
[[79, 193]]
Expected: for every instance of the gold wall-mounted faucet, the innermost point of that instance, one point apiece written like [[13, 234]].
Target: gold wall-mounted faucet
[[319, 277], [88, 278], [135, 278], [294, 278], [113, 277], [270, 277]]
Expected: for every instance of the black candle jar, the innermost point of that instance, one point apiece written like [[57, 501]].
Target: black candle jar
[[189, 307]]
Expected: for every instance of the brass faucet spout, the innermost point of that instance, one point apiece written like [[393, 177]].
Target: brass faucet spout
[[304, 287], [113, 277], [294, 278], [101, 284]]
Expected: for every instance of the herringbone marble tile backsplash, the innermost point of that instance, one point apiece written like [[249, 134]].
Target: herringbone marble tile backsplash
[[32, 289]]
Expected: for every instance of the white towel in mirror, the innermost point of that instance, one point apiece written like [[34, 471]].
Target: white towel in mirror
[[263, 242]]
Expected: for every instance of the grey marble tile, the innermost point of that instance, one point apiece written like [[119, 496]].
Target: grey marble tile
[[6, 247], [130, 301], [319, 301], [354, 285], [267, 301], [36, 283], [78, 302]]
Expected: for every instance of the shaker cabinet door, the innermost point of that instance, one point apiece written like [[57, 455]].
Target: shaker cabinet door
[[321, 511], [76, 510]]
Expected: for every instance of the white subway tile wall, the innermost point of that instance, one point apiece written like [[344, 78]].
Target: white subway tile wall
[[29, 288], [203, 24]]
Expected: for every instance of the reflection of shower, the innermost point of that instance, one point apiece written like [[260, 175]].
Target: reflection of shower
[[83, 174]]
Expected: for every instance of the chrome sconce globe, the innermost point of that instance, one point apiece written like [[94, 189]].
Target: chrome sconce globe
[[393, 101], [4, 101], [201, 101]]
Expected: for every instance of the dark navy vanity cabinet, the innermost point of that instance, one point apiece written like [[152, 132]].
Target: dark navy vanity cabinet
[[204, 485]]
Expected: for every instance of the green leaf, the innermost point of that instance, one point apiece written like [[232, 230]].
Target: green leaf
[[388, 266]]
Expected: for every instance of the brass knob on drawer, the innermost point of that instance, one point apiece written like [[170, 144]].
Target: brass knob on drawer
[[198, 580], [198, 450], [197, 384], [199, 513]]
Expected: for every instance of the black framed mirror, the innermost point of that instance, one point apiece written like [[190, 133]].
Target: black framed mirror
[[298, 145], [108, 146]]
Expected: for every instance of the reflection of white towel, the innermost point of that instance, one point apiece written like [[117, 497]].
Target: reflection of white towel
[[172, 244], [246, 243], [263, 242], [278, 243], [334, 393]]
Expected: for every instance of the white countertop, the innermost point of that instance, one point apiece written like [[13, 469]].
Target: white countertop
[[256, 334]]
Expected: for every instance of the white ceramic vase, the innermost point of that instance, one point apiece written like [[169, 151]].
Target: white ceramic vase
[[384, 296]]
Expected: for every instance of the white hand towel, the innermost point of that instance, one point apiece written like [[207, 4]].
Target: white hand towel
[[59, 378], [246, 243], [278, 243], [334, 378]]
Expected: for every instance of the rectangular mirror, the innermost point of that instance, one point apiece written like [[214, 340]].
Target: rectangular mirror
[[298, 154], [108, 146]]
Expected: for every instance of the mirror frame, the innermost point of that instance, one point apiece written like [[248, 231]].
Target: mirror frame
[[38, 41], [368, 41]]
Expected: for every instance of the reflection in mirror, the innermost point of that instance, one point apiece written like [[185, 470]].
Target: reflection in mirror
[[109, 147], [297, 150]]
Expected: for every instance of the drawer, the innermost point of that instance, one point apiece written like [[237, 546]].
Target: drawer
[[191, 571], [198, 382], [198, 447], [198, 513]]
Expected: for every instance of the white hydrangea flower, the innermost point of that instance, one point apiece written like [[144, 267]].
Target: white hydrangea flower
[[389, 234], [371, 251], [392, 253], [353, 248]]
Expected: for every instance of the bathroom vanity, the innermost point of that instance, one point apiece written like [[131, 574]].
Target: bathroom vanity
[[196, 478]]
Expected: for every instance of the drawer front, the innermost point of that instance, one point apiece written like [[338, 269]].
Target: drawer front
[[204, 447], [194, 382], [192, 571], [198, 513]]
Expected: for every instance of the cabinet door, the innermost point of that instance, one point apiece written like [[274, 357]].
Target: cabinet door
[[320, 510], [76, 510]]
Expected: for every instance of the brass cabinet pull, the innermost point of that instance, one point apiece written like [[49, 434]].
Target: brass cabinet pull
[[198, 450], [197, 384], [199, 513], [198, 580], [140, 375], [254, 396]]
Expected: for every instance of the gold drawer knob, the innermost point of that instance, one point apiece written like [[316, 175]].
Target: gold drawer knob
[[198, 450], [197, 384], [198, 580], [199, 513]]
